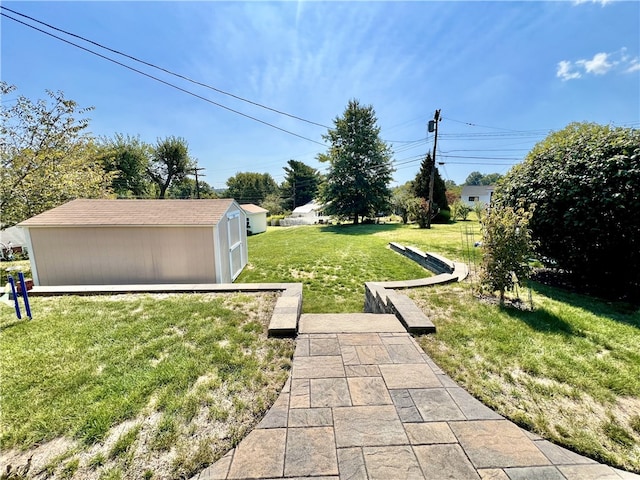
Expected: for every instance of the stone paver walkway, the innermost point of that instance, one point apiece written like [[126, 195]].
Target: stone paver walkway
[[365, 402]]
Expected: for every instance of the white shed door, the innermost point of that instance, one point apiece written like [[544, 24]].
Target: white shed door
[[235, 243]]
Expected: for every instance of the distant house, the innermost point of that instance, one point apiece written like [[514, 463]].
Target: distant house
[[120, 242], [12, 241], [477, 193], [308, 214], [256, 218]]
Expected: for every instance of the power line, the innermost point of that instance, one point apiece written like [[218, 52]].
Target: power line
[[164, 69], [483, 126], [163, 81]]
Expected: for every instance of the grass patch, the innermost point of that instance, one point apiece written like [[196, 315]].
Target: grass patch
[[334, 262], [130, 380], [569, 370]]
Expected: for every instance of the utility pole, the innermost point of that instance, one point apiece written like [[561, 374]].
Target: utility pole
[[195, 170], [433, 126]]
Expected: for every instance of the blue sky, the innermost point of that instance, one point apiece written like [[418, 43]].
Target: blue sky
[[504, 74]]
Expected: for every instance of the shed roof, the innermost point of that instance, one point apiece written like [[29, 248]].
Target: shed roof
[[251, 208], [85, 212]]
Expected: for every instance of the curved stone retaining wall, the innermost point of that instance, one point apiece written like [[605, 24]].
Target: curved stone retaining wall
[[381, 297]]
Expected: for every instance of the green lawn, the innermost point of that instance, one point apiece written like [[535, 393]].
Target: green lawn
[[177, 373], [569, 370], [169, 382], [334, 262]]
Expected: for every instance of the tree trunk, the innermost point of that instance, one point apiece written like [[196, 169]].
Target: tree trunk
[[355, 219]]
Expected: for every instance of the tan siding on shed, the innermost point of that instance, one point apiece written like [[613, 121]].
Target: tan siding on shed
[[75, 255]]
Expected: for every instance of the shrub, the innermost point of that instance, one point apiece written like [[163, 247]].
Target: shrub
[[274, 220], [460, 210], [479, 208], [584, 181], [507, 247]]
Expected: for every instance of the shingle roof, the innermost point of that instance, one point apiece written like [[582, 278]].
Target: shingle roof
[[85, 212], [251, 208]]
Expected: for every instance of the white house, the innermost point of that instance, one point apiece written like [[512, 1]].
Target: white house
[[12, 241], [308, 214], [477, 193], [120, 242], [256, 218]]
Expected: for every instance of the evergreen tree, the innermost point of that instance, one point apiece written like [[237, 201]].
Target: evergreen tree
[[357, 183], [300, 185], [421, 185]]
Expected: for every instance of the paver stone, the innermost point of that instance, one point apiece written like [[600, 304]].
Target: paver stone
[[318, 367], [310, 451], [368, 391], [268, 446], [351, 464], [384, 463], [409, 376], [435, 404], [329, 392], [448, 461], [368, 426], [490, 444]]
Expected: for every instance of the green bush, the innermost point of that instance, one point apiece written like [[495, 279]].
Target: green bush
[[444, 216], [274, 220], [460, 210], [507, 247], [584, 182]]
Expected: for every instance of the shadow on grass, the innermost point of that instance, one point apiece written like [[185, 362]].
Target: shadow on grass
[[622, 312], [542, 321], [361, 229]]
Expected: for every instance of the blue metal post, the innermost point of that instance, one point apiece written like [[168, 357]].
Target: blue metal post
[[25, 294], [15, 296]]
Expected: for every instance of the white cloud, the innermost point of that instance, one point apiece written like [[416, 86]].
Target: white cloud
[[601, 2], [564, 71], [601, 64], [598, 65], [634, 66]]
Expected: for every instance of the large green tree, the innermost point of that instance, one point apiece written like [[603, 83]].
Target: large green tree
[[300, 185], [46, 155], [585, 183], [477, 178], [251, 187], [402, 197], [129, 158], [357, 182], [170, 162], [186, 188]]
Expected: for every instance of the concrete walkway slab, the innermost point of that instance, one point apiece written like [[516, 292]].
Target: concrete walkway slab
[[367, 405], [351, 323]]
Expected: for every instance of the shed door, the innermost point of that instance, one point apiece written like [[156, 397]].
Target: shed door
[[235, 243]]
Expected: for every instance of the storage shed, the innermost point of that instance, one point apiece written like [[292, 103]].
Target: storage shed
[[256, 218], [120, 242]]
